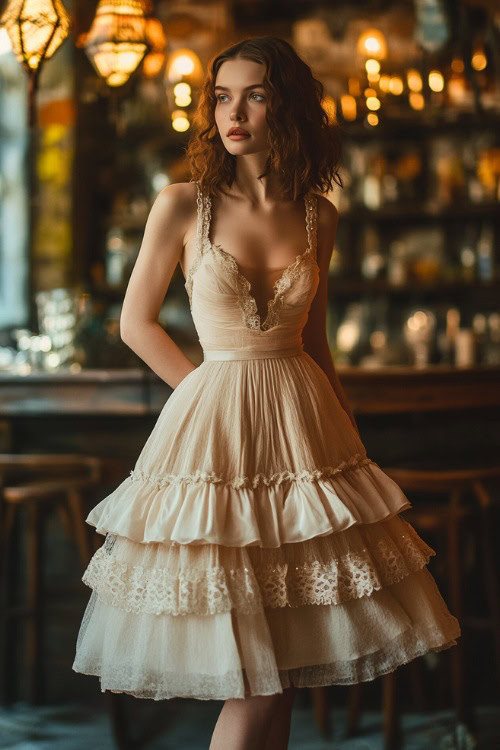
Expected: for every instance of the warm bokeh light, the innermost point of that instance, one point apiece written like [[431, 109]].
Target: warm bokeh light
[[348, 107], [182, 94], [416, 100], [457, 65], [396, 85], [457, 89], [369, 92], [184, 63], [116, 42], [180, 122], [182, 89], [373, 103], [371, 43], [36, 29], [372, 119], [384, 83], [183, 101], [478, 60], [414, 80], [354, 86], [155, 58], [436, 80], [372, 66]]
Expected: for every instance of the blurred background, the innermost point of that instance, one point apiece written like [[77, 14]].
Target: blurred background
[[96, 106]]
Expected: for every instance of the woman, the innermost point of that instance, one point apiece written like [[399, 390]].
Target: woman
[[255, 548]]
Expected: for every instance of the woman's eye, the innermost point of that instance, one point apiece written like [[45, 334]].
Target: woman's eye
[[261, 96]]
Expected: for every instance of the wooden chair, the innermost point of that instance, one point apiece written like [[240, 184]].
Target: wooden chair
[[35, 483], [447, 519]]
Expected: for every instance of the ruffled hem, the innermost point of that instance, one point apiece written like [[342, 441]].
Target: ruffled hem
[[232, 655], [268, 515], [168, 578]]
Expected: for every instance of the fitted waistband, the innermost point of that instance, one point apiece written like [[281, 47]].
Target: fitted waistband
[[227, 354]]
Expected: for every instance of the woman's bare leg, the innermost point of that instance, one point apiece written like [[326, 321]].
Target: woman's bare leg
[[246, 723], [279, 732]]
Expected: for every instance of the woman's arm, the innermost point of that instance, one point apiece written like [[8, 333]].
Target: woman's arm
[[314, 334], [161, 249]]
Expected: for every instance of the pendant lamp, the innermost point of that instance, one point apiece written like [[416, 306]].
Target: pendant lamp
[[117, 40], [36, 29]]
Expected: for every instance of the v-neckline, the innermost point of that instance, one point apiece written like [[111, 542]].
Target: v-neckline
[[251, 302]]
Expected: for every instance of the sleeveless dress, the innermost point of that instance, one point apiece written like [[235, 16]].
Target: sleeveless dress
[[254, 545]]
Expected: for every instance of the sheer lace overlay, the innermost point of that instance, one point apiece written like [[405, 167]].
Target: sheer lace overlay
[[210, 579], [354, 641]]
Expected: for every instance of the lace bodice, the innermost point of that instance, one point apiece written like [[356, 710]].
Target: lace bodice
[[223, 307]]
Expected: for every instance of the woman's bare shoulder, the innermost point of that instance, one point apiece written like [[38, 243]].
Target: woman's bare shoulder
[[178, 196], [327, 221], [173, 209], [327, 210]]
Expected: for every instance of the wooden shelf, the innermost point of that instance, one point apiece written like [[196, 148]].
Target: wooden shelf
[[422, 212], [422, 125], [343, 286]]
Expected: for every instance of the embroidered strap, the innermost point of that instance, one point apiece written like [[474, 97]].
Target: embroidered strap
[[201, 237], [312, 222], [203, 215]]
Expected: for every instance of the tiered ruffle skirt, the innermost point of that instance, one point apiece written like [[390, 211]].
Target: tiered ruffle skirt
[[255, 546]]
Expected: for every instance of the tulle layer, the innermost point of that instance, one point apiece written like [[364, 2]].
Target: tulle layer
[[202, 511], [178, 579], [233, 655]]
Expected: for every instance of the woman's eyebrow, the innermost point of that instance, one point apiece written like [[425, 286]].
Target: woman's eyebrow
[[252, 86]]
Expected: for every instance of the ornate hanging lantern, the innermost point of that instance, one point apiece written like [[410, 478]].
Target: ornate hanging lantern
[[117, 40], [36, 29]]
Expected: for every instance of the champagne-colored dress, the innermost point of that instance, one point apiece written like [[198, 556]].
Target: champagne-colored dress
[[255, 545]]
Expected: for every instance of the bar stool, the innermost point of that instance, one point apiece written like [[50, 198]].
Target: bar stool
[[54, 480], [447, 519]]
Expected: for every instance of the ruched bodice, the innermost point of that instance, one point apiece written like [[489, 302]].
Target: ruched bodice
[[223, 307]]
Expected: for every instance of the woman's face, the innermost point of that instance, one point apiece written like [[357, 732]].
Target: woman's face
[[242, 103]]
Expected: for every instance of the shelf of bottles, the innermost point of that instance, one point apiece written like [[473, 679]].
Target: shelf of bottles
[[415, 273]]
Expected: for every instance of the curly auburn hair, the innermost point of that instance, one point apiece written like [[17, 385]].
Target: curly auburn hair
[[305, 146]]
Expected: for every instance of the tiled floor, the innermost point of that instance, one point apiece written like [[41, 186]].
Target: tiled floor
[[188, 726]]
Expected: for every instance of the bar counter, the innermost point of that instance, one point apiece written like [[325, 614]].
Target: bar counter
[[137, 392], [405, 415]]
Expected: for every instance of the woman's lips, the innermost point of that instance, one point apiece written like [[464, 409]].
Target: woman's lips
[[239, 136]]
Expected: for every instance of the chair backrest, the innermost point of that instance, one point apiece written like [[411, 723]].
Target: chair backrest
[[27, 466]]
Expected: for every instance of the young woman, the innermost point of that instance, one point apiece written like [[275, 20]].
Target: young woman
[[255, 548]]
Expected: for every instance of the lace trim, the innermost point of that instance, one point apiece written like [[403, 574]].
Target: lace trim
[[191, 584], [201, 236], [246, 300], [162, 480]]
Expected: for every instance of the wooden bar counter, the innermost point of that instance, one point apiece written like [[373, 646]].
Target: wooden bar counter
[[403, 413], [384, 390]]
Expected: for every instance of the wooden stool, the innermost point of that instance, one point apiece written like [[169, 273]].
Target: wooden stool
[[446, 518], [53, 480]]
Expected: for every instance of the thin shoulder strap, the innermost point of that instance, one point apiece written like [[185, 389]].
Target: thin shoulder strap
[[312, 221], [202, 227], [202, 224]]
